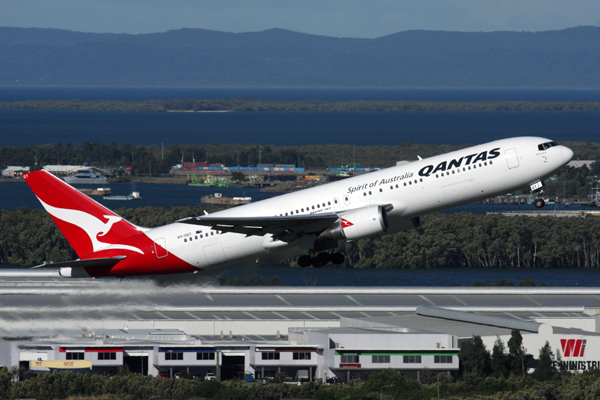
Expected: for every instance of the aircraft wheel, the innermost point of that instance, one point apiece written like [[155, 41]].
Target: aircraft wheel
[[337, 258], [539, 203], [304, 261], [320, 260]]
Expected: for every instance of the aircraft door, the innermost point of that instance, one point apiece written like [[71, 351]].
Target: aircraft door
[[336, 202], [160, 248], [214, 254], [347, 199], [512, 160]]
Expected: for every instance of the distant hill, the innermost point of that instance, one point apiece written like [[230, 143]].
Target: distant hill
[[568, 58]]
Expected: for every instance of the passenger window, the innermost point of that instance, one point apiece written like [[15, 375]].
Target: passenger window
[[391, 188], [364, 193], [380, 190], [370, 193]]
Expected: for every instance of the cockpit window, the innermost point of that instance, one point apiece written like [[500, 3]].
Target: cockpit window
[[546, 146]]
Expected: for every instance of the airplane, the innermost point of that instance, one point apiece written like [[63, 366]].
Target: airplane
[[312, 220]]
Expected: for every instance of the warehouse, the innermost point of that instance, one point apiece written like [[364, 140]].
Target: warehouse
[[312, 333]]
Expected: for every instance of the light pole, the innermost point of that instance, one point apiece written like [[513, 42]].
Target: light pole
[[381, 391], [438, 383]]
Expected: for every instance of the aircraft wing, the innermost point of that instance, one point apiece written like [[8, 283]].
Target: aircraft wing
[[259, 226]]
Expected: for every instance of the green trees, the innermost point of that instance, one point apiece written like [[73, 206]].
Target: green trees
[[499, 360], [30, 237], [474, 358], [546, 367], [248, 104], [517, 357]]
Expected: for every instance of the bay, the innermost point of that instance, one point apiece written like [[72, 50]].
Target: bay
[[17, 194], [37, 127]]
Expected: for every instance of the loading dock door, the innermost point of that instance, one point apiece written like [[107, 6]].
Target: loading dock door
[[137, 361], [232, 367]]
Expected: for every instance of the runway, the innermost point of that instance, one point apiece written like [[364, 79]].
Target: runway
[[28, 297]]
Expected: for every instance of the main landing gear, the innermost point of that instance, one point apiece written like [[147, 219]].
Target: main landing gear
[[539, 203], [319, 260]]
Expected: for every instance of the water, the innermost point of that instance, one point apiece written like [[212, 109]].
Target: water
[[403, 277], [37, 127], [18, 194]]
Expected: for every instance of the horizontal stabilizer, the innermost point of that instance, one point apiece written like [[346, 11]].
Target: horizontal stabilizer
[[90, 263]]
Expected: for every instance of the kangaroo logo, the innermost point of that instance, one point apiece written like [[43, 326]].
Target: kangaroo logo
[[93, 226]]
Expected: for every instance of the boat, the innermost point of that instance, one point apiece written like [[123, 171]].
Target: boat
[[131, 196], [85, 176], [96, 192], [220, 200]]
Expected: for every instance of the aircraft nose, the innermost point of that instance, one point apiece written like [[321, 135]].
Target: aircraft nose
[[567, 154]]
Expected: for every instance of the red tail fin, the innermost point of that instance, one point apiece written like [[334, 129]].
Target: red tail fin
[[87, 225]]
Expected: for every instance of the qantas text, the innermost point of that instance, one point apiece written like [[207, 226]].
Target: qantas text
[[471, 158]]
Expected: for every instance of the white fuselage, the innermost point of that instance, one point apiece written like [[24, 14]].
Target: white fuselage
[[412, 189]]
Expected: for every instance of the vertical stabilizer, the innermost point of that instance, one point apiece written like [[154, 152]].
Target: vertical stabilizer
[[87, 225]]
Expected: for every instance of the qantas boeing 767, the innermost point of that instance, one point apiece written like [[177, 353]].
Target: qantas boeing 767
[[315, 219]]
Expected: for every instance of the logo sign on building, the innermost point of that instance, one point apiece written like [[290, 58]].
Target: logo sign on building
[[573, 347]]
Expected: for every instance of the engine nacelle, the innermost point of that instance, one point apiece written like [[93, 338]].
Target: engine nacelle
[[68, 272], [358, 224]]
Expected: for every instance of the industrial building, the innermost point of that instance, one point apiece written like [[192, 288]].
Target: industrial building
[[317, 333]]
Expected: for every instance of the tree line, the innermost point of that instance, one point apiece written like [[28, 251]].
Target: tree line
[[29, 237], [249, 104]]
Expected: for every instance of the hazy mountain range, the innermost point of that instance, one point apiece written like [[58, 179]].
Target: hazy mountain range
[[567, 58]]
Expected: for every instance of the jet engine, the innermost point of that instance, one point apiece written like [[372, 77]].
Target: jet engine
[[358, 224], [68, 272]]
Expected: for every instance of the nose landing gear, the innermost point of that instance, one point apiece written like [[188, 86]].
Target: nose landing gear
[[320, 260]]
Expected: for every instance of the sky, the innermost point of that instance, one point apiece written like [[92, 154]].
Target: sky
[[338, 18]]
